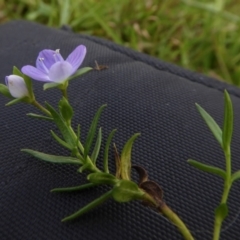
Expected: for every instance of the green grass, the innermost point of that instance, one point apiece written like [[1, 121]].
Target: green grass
[[203, 35]]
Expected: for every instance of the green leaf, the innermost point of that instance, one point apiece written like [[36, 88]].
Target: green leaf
[[92, 131], [4, 91], [78, 134], [125, 163], [53, 158], [33, 115], [126, 191], [97, 147], [60, 141], [17, 100], [28, 83], [105, 161], [208, 168], [51, 85], [213, 126], [17, 72], [85, 166], [102, 178], [65, 110], [235, 176], [62, 126], [72, 189], [228, 121], [221, 211], [80, 72], [88, 207]]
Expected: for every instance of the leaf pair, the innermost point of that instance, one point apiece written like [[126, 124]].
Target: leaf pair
[[123, 191], [90, 138], [222, 136]]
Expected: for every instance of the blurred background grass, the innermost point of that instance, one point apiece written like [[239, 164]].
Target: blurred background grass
[[202, 35]]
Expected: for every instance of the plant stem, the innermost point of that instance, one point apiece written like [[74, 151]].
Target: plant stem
[[173, 217], [40, 107], [227, 186], [93, 167], [64, 92]]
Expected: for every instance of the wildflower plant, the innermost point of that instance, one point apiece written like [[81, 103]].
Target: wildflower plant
[[56, 72]]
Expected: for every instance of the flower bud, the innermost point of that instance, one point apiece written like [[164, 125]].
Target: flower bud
[[16, 86]]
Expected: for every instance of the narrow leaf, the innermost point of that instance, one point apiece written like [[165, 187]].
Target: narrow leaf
[[236, 176], [33, 115], [65, 110], [97, 147], [53, 158], [88, 207], [105, 161], [17, 100], [51, 85], [213, 126], [60, 141], [117, 161], [228, 121], [125, 163], [78, 134], [208, 168], [92, 131], [85, 166], [80, 72], [4, 91], [102, 178], [73, 189], [221, 211], [126, 191], [62, 126], [17, 72], [28, 83]]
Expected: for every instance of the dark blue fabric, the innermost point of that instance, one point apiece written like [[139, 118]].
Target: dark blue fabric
[[143, 95]]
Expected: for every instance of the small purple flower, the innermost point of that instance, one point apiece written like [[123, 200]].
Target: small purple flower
[[17, 86], [51, 67]]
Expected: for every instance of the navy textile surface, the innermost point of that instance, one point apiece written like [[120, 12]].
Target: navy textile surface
[[144, 95]]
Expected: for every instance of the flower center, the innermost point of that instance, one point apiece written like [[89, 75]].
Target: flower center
[[56, 56], [41, 60]]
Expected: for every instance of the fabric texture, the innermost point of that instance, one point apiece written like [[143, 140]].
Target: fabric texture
[[143, 95]]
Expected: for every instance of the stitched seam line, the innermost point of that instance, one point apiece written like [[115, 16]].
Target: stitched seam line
[[208, 82]]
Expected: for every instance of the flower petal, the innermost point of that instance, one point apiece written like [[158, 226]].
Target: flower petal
[[60, 71], [35, 73], [48, 58], [16, 85], [76, 57]]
